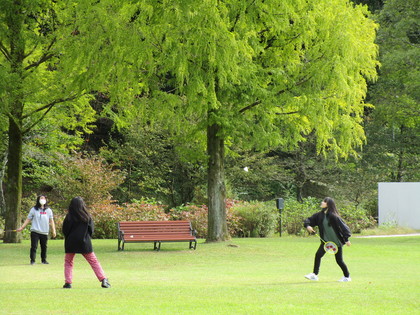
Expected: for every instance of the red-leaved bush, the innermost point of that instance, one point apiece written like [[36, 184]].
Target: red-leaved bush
[[107, 213], [198, 216]]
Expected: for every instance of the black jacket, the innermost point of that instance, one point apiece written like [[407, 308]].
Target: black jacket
[[77, 235], [340, 228]]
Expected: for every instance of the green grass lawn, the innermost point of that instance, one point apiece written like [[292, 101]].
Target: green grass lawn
[[260, 276]]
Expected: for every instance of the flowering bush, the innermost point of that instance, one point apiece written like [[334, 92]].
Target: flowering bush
[[107, 213], [198, 216], [244, 219]]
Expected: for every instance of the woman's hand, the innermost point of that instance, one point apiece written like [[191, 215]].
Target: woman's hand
[[310, 229], [348, 243]]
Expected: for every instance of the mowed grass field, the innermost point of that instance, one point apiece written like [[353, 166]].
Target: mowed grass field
[[242, 276]]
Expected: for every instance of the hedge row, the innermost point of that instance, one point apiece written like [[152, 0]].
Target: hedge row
[[244, 219]]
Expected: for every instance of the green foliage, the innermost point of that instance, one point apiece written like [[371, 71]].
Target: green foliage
[[394, 124], [295, 212], [52, 57], [107, 214], [256, 219], [198, 216], [89, 177], [357, 218], [285, 69], [154, 166]]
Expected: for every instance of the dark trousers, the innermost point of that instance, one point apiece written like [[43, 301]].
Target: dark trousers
[[338, 258], [43, 239]]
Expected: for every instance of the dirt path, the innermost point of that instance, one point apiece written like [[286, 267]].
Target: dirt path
[[395, 235]]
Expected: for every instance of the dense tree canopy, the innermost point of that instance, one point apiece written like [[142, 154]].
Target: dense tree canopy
[[46, 75], [257, 73], [215, 74]]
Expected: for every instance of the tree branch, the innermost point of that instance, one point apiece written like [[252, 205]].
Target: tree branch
[[4, 51], [46, 56], [47, 108], [31, 52], [257, 102], [288, 113], [239, 15]]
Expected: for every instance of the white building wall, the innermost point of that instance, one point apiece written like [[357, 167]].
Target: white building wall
[[399, 203]]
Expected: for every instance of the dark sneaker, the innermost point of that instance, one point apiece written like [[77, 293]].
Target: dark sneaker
[[32, 262], [45, 262], [67, 285], [105, 283]]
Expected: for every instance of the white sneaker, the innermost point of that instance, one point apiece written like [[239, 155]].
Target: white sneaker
[[312, 277], [345, 279]]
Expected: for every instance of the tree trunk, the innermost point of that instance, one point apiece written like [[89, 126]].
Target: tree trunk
[[400, 167], [2, 174], [13, 193], [217, 225], [13, 183]]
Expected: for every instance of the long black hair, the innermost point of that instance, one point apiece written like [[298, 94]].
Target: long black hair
[[38, 204], [332, 209], [78, 210]]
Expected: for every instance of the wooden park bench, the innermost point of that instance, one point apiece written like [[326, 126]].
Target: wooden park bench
[[155, 232]]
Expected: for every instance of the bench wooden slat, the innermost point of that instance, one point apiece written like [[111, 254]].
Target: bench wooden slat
[[156, 232]]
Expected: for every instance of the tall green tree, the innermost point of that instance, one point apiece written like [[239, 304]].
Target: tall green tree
[[395, 124], [47, 69], [257, 74]]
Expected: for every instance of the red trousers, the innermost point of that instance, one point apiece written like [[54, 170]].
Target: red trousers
[[91, 259]]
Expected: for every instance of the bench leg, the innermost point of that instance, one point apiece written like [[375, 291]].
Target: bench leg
[[123, 243], [193, 246]]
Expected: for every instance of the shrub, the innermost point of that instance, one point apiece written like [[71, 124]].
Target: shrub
[[256, 219], [294, 213], [198, 216], [106, 215], [357, 218], [89, 177]]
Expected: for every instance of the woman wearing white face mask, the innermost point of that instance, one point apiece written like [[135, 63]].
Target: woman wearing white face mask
[[41, 217]]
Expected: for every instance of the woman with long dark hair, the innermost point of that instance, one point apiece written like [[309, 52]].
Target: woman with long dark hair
[[78, 230], [331, 229]]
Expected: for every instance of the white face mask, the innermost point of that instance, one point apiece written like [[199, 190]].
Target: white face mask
[[42, 201]]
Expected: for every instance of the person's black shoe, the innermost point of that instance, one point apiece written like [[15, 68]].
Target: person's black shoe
[[67, 285], [32, 262], [45, 262], [105, 283]]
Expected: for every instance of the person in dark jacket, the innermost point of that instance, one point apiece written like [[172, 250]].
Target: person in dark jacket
[[78, 229], [332, 229]]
